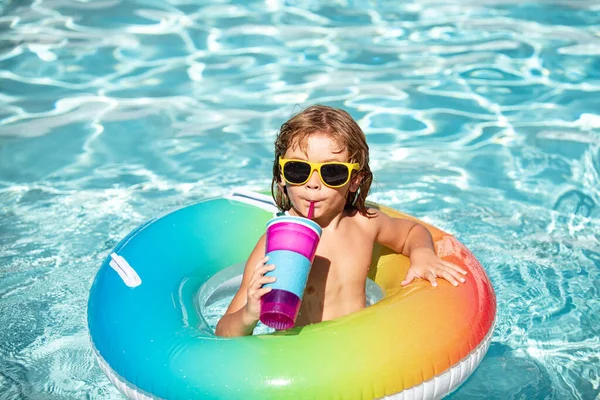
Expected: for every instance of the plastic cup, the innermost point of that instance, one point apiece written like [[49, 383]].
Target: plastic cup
[[291, 246]]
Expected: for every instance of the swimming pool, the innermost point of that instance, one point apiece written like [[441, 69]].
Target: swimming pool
[[482, 119]]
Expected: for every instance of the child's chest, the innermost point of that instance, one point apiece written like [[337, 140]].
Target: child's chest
[[343, 257]]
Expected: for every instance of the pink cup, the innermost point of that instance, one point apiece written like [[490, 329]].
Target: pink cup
[[291, 246], [295, 234]]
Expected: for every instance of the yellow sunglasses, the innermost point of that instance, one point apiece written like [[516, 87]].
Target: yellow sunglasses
[[333, 174]]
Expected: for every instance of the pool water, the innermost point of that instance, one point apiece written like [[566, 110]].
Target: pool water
[[482, 119]]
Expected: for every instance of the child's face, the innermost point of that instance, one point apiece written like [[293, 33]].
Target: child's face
[[328, 201]]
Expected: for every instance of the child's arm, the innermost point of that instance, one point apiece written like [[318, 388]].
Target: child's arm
[[244, 311], [414, 241]]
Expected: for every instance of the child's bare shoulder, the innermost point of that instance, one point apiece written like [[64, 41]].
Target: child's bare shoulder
[[369, 220]]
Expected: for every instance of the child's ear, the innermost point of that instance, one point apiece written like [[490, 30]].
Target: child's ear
[[355, 182], [281, 182]]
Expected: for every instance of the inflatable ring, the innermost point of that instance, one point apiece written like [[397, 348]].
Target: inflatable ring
[[152, 341]]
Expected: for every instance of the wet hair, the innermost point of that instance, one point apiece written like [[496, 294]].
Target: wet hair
[[339, 126]]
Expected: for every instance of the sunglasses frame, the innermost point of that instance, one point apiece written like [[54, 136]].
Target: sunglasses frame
[[315, 166]]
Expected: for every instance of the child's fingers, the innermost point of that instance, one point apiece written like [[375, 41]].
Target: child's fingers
[[255, 295], [258, 272], [448, 276], [264, 291], [454, 267], [269, 267], [258, 280], [266, 279], [410, 276], [430, 276], [256, 285], [261, 262], [456, 274]]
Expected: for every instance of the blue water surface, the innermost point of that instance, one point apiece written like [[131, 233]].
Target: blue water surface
[[482, 117]]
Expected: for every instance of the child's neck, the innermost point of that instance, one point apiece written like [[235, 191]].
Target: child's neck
[[330, 220]]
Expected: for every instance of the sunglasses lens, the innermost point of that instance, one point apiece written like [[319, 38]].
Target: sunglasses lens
[[334, 174], [296, 172]]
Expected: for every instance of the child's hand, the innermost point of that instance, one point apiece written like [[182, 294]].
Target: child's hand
[[426, 265], [255, 289]]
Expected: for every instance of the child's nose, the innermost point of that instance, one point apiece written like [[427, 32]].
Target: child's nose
[[314, 182]]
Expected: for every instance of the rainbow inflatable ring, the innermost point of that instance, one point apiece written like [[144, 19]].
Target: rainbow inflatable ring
[[148, 332]]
